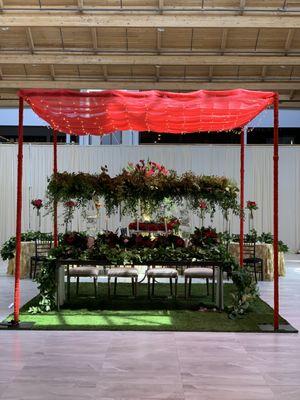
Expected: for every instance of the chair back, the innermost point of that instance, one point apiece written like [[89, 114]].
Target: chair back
[[42, 247], [249, 247]]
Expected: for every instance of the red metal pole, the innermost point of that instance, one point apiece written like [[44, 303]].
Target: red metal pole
[[19, 214], [242, 195], [275, 227], [55, 225]]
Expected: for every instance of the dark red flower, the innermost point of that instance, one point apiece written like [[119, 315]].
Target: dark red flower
[[70, 204], [37, 203]]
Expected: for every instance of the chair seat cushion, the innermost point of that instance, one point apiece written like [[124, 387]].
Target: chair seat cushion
[[252, 260], [198, 272], [87, 270], [162, 272], [122, 272]]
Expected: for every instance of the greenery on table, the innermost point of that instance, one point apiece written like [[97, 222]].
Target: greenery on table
[[264, 237], [123, 312], [8, 248], [136, 187], [138, 249]]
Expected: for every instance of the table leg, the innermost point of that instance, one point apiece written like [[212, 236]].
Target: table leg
[[220, 289], [57, 273], [68, 282]]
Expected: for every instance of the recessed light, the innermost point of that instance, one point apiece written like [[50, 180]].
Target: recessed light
[[4, 28], [161, 29]]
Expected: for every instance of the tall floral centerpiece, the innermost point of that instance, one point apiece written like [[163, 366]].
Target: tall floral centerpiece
[[143, 172], [203, 206], [251, 206], [69, 208], [38, 205]]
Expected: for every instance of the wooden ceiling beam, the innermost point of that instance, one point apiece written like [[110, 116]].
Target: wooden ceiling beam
[[66, 59], [105, 72], [224, 40], [52, 71], [158, 39], [147, 20], [148, 85], [211, 73], [80, 5], [161, 6], [30, 39], [289, 40], [157, 72], [94, 39], [264, 72]]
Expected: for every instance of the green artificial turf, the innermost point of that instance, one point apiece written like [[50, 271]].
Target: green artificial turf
[[161, 313]]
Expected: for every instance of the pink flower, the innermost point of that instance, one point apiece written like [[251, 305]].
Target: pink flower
[[150, 172]]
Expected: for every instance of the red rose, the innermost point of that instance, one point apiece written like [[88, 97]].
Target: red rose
[[37, 203], [202, 205]]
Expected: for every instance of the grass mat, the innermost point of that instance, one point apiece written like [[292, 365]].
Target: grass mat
[[161, 313]]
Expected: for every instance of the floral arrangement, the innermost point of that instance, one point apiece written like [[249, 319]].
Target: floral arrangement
[[37, 204], [69, 212], [152, 226], [146, 183], [205, 237], [148, 168], [251, 206], [203, 210]]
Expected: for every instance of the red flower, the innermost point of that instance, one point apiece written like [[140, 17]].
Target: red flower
[[70, 204], [37, 203], [251, 205], [203, 205]]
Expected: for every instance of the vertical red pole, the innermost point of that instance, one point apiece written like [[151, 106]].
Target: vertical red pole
[[242, 195], [19, 214], [55, 225], [275, 227]]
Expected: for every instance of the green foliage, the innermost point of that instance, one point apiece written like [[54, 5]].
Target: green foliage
[[263, 238], [137, 187], [114, 250], [246, 292], [46, 280], [9, 247]]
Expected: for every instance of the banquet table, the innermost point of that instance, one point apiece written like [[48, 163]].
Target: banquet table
[[264, 251], [63, 265], [27, 251]]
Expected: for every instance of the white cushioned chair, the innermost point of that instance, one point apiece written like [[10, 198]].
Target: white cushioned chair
[[88, 271], [207, 272], [122, 272], [162, 272]]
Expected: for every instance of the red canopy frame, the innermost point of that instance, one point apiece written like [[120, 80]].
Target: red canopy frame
[[100, 113]]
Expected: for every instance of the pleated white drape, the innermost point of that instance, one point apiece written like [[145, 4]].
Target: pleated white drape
[[202, 159]]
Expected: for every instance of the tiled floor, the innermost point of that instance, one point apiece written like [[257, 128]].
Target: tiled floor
[[156, 365]]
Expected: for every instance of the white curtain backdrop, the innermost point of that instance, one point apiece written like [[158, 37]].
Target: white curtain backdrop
[[201, 159]]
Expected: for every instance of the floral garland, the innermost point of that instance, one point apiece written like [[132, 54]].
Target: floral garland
[[148, 183]]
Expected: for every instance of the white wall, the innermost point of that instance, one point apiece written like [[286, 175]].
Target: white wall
[[206, 159]]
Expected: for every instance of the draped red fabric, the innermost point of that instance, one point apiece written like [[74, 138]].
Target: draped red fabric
[[103, 112]]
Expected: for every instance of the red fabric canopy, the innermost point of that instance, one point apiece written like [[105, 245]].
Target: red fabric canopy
[[103, 112]]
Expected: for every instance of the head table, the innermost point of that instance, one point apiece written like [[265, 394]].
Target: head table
[[263, 250]]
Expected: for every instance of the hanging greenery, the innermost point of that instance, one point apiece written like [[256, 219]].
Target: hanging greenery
[[144, 185]]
